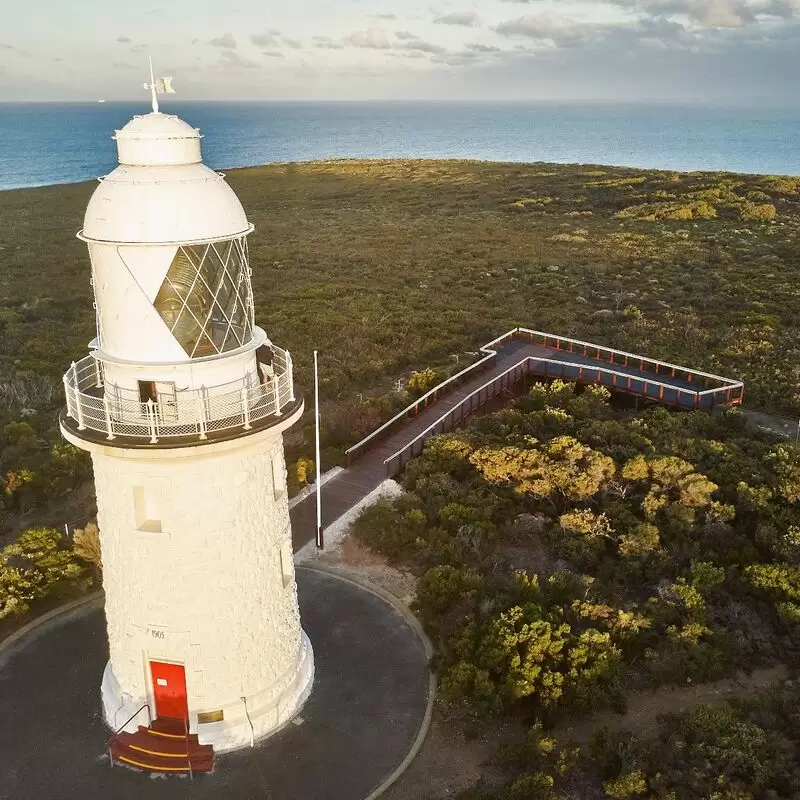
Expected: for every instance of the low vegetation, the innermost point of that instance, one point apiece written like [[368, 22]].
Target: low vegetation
[[392, 267], [569, 552]]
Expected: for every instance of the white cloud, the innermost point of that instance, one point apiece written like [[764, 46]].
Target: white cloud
[[269, 38], [371, 38], [468, 19], [421, 46], [231, 60], [225, 41]]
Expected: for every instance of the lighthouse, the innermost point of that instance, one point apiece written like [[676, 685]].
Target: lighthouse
[[182, 402]]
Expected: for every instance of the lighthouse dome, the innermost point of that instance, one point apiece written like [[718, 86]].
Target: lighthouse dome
[[162, 193], [158, 140]]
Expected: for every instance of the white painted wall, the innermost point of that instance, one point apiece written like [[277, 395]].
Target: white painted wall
[[214, 590]]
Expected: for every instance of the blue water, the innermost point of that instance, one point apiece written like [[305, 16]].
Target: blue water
[[63, 143]]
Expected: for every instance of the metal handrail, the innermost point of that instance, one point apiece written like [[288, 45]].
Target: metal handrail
[[490, 350], [124, 725], [192, 412], [526, 362], [638, 357], [188, 757], [422, 401]]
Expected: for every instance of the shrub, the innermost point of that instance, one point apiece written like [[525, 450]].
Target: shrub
[[86, 544], [751, 212], [422, 382], [631, 784], [39, 564], [534, 786]]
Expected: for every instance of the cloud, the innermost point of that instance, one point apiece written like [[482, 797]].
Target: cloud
[[273, 54], [269, 38], [13, 49], [371, 38], [421, 46], [483, 48], [125, 65], [386, 16], [273, 38], [326, 43], [231, 60], [225, 41], [405, 35], [541, 27], [467, 18], [124, 39]]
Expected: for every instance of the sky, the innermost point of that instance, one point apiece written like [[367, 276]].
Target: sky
[[726, 52]]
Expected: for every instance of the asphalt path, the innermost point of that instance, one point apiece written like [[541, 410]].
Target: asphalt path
[[369, 699]]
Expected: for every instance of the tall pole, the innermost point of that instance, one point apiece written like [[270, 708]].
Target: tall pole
[[320, 538], [153, 87]]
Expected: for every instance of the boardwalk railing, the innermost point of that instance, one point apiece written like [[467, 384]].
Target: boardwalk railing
[[622, 358], [457, 414], [711, 389], [489, 351], [652, 389]]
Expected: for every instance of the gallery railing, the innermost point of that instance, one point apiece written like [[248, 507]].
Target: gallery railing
[[116, 412]]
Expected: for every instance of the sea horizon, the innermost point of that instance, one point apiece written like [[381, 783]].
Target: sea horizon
[[63, 142]]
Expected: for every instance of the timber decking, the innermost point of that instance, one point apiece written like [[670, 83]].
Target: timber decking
[[346, 489]]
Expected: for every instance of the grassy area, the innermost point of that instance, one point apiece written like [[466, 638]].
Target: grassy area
[[388, 266]]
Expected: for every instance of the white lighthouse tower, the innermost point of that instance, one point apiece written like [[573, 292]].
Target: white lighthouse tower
[[182, 403]]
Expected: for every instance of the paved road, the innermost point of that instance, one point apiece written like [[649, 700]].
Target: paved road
[[369, 699]]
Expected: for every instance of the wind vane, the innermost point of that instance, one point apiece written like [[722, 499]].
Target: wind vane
[[158, 86]]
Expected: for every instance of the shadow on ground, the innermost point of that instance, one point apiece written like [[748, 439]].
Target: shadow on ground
[[368, 702]]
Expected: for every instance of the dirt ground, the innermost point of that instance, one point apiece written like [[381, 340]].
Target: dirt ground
[[783, 426], [644, 708], [450, 762]]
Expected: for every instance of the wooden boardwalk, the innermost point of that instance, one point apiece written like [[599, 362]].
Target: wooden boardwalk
[[507, 360]]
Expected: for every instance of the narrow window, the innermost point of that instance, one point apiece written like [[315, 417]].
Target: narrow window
[[278, 475], [287, 561], [146, 510]]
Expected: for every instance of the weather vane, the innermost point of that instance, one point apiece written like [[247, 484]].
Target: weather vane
[[158, 86]]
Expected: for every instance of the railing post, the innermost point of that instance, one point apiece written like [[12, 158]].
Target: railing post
[[77, 396], [98, 374], [246, 409], [188, 748], [107, 411], [151, 420], [202, 419], [290, 373], [276, 387], [67, 395]]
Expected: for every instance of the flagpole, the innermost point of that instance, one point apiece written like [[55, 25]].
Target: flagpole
[[320, 537], [153, 86]]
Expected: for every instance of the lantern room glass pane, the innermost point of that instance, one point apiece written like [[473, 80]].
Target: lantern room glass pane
[[206, 299]]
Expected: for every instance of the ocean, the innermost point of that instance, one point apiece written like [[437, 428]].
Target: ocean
[[46, 143]]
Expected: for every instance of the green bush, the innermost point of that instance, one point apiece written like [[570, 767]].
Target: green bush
[[40, 564], [751, 212]]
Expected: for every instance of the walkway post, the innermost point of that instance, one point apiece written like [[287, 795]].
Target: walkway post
[[320, 537]]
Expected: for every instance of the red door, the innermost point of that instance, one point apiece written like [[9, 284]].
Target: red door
[[169, 690]]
